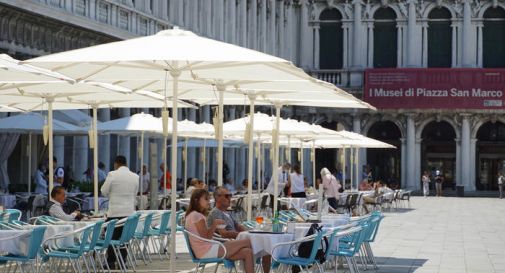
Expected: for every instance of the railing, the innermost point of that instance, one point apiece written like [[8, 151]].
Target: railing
[[340, 77]]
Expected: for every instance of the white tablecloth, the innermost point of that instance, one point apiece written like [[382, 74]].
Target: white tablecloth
[[19, 246], [8, 201], [263, 243], [293, 202]]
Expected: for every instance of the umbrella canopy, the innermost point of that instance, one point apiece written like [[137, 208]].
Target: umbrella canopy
[[13, 70], [34, 123]]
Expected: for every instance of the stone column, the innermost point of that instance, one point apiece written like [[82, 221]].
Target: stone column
[[305, 35], [468, 41], [253, 24], [104, 140], [80, 159], [356, 127], [403, 164], [263, 24], [454, 44], [180, 13], [59, 150], [346, 49], [457, 172], [208, 18], [411, 34], [194, 15], [465, 151], [411, 150], [473, 159], [243, 23], [418, 166], [124, 142], [370, 45], [231, 26], [273, 26], [479, 26], [425, 44], [289, 44], [282, 49], [399, 43], [356, 33], [316, 46]]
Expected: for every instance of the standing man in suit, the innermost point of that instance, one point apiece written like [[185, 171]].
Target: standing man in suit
[[121, 186]]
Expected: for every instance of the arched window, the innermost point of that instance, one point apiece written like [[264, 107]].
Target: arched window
[[493, 38], [385, 38], [439, 38], [330, 40]]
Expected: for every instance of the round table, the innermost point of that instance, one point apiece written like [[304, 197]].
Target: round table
[[263, 243]]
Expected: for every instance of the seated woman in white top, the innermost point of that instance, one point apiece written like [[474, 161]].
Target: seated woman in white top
[[296, 183]]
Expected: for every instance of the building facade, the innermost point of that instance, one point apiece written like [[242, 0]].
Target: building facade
[[336, 41]]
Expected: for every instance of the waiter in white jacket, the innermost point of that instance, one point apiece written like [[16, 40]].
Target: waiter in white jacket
[[283, 180], [121, 186]]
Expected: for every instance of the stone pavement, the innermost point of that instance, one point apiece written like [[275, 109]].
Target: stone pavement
[[434, 235]]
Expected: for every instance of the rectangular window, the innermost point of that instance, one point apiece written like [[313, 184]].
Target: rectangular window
[[385, 45]]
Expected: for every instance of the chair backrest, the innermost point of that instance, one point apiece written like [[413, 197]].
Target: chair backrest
[[147, 224], [354, 199], [129, 228], [109, 230], [378, 219], [35, 241], [97, 229], [264, 200], [315, 246], [14, 214], [165, 219], [238, 206], [188, 244], [84, 238]]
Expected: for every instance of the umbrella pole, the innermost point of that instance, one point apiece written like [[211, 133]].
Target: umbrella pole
[[163, 174], [185, 159], [29, 163], [343, 167], [204, 159], [289, 149], [301, 157], [250, 157], [95, 159], [220, 162], [50, 142], [173, 225], [258, 167], [313, 157], [275, 140], [352, 168], [141, 169], [356, 163]]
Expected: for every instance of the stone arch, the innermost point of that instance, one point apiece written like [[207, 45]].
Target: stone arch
[[369, 123], [478, 125], [487, 6], [432, 6], [399, 15], [320, 9], [422, 125]]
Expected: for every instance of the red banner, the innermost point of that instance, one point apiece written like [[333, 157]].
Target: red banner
[[434, 88]]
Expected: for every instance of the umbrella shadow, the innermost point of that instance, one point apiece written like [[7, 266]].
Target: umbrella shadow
[[399, 265]]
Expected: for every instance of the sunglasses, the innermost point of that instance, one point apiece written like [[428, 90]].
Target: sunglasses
[[228, 195]]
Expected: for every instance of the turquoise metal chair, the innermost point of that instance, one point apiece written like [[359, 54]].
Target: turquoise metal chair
[[34, 245], [292, 259], [201, 263], [103, 244], [129, 227], [74, 256], [13, 214], [143, 236], [89, 246], [160, 233], [350, 241]]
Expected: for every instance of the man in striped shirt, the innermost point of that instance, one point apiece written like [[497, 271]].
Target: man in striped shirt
[[54, 206]]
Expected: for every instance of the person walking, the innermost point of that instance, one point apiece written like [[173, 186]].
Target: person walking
[[121, 186], [331, 187], [501, 179], [439, 180], [426, 183]]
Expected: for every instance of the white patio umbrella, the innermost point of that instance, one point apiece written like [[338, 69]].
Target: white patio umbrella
[[12, 70], [33, 123], [33, 96], [185, 57]]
